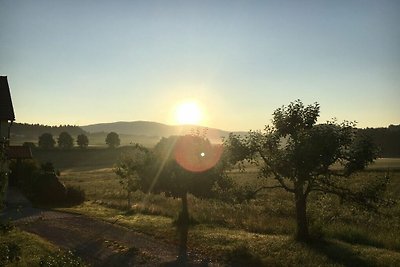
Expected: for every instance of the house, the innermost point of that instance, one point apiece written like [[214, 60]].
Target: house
[[7, 117], [6, 110]]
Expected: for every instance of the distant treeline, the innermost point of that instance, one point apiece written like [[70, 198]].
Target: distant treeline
[[387, 139], [33, 131]]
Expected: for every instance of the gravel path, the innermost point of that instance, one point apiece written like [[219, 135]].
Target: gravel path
[[97, 242], [100, 243]]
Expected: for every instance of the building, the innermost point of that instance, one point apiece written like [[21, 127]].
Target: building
[[6, 110], [7, 117]]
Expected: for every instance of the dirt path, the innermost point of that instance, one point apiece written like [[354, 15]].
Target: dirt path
[[97, 242], [100, 243]]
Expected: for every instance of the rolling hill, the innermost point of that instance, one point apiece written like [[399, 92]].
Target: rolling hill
[[155, 129]]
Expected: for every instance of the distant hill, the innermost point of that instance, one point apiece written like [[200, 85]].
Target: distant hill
[[149, 133], [155, 129]]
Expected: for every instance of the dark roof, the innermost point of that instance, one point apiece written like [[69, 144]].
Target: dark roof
[[6, 106], [19, 152]]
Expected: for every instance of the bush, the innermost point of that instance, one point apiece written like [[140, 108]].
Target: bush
[[48, 189], [75, 195], [22, 173]]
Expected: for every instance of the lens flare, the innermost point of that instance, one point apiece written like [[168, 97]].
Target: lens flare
[[196, 154]]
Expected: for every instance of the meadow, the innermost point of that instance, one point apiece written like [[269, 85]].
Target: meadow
[[255, 232]]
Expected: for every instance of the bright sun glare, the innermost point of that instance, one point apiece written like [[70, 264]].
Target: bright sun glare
[[188, 113]]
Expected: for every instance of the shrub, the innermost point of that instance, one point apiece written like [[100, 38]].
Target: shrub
[[48, 189], [75, 195]]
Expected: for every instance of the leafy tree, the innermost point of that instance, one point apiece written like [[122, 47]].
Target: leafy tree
[[112, 140], [82, 141], [65, 141], [177, 166], [129, 167], [46, 141], [298, 154]]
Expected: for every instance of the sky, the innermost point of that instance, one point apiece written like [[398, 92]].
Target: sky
[[83, 61]]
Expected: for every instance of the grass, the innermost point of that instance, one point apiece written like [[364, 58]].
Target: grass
[[32, 247], [260, 230], [221, 243]]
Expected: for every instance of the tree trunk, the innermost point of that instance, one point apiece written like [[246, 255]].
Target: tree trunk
[[301, 214], [183, 228]]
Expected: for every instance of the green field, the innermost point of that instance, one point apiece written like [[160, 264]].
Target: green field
[[261, 228], [95, 158], [259, 231]]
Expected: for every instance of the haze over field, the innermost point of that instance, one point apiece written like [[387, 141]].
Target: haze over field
[[85, 62]]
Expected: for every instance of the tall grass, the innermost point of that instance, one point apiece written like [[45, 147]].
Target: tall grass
[[270, 213]]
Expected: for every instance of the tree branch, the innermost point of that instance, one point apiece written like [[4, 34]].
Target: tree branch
[[277, 176], [254, 193], [282, 183]]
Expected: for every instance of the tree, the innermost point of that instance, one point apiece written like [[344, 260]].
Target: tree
[[65, 141], [177, 166], [46, 141], [129, 167], [112, 140], [298, 154], [82, 141]]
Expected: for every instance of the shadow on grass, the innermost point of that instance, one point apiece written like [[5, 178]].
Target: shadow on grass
[[338, 253], [130, 257]]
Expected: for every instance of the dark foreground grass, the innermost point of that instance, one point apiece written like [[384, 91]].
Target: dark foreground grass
[[27, 248], [260, 230], [242, 248], [271, 213]]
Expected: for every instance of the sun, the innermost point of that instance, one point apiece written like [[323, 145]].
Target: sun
[[188, 113]]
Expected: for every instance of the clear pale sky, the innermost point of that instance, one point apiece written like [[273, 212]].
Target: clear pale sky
[[83, 62]]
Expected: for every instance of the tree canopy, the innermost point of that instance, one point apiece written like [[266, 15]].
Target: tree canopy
[[46, 141], [82, 140], [65, 141], [299, 155], [112, 140], [177, 165], [130, 169]]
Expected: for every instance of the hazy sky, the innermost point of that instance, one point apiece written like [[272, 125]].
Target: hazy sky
[[81, 62]]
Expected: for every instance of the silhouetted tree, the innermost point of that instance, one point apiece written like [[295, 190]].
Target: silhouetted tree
[[177, 166], [46, 141], [182, 165], [82, 141], [298, 154], [65, 141], [112, 140]]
